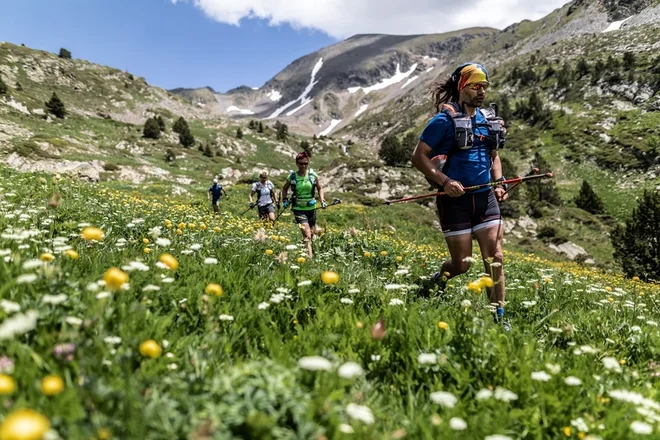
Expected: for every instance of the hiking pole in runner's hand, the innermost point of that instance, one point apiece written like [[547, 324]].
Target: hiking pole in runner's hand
[[252, 205], [516, 180], [532, 172]]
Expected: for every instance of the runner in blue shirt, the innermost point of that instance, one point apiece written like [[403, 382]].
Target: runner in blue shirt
[[456, 150], [216, 190]]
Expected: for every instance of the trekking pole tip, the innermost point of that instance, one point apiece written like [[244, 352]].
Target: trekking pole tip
[[535, 170], [549, 175]]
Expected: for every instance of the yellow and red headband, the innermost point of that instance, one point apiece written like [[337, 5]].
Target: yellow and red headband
[[470, 74]]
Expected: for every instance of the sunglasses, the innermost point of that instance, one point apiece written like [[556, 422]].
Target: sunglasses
[[478, 86]]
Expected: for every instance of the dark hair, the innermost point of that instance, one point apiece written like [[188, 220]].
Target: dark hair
[[445, 91], [301, 155]]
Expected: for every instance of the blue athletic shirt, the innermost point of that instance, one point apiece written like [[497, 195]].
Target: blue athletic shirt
[[216, 191], [471, 166]]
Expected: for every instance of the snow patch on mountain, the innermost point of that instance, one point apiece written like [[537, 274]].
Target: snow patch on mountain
[[233, 108], [410, 80], [333, 124], [616, 25], [363, 108], [429, 69], [396, 78], [304, 99], [274, 95]]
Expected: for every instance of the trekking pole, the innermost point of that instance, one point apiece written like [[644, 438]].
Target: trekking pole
[[532, 172], [516, 180], [334, 202], [252, 205]]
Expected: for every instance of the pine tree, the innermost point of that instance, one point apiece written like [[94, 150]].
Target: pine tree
[[186, 138], [636, 246], [588, 200], [534, 112], [151, 129], [409, 143], [180, 125], [161, 123], [564, 76], [64, 53], [261, 127], [599, 70], [207, 151], [282, 132], [170, 155], [239, 133], [629, 61], [3, 87], [251, 125], [392, 152], [55, 106], [582, 68]]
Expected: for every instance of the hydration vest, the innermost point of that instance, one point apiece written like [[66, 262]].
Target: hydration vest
[[464, 133], [269, 186], [311, 175]]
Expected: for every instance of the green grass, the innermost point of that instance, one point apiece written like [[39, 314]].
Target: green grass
[[247, 377]]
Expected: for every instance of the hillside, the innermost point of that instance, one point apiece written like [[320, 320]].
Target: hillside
[[601, 127]]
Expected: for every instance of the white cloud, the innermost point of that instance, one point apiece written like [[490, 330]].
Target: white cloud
[[344, 18]]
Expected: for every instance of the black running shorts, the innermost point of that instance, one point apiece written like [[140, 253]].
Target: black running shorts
[[468, 213], [265, 210], [305, 216]]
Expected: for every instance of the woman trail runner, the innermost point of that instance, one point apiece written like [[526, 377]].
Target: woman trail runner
[[304, 183], [266, 199]]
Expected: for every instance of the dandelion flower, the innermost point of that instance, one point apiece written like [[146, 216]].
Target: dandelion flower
[[115, 278], [443, 398], [330, 277], [46, 257], [169, 261], [150, 348], [52, 385], [486, 282], [443, 325], [268, 252], [300, 260], [71, 254], [213, 289], [92, 233], [7, 385], [314, 363], [24, 424], [474, 286]]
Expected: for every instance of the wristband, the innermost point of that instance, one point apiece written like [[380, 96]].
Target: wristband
[[445, 182]]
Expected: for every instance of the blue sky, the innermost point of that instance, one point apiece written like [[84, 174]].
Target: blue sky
[[171, 45], [227, 43]]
